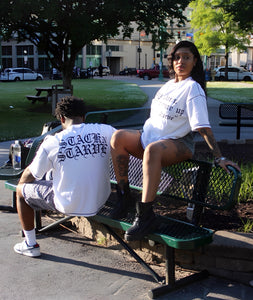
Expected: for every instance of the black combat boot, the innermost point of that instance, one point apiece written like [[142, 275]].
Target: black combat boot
[[124, 202], [144, 223]]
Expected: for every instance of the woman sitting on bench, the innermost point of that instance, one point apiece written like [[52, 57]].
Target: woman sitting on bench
[[178, 111]]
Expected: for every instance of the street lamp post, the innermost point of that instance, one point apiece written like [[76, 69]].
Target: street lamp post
[[161, 55], [25, 62], [110, 54], [161, 65], [139, 50]]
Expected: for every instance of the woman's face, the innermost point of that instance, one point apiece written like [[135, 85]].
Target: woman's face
[[183, 63]]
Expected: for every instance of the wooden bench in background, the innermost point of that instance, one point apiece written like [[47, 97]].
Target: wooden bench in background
[[35, 98]]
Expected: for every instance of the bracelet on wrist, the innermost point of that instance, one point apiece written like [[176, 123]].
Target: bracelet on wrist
[[217, 160]]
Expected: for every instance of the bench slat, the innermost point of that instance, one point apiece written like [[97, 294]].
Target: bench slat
[[34, 98], [172, 232]]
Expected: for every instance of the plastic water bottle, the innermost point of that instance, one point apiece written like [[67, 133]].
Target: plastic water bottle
[[16, 158]]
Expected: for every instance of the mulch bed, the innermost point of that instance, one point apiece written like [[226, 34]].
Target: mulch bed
[[232, 220]]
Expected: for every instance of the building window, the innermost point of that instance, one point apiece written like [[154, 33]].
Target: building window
[[112, 48], [28, 49], [29, 64], [93, 50], [44, 64], [7, 50], [6, 62]]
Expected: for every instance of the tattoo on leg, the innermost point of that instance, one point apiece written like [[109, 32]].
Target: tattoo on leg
[[182, 149], [122, 165], [163, 145]]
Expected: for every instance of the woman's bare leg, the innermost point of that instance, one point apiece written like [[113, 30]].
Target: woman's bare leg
[[157, 155], [123, 143]]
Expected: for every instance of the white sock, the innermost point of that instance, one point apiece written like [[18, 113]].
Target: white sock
[[30, 237]]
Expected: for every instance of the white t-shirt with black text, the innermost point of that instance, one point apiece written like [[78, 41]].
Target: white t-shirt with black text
[[79, 158], [177, 109]]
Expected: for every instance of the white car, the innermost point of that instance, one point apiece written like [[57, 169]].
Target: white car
[[17, 74], [234, 73]]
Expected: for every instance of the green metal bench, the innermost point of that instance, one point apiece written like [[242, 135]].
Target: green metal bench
[[200, 184]]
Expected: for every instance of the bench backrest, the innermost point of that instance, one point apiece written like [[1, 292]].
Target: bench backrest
[[192, 181], [234, 110], [37, 142], [120, 118]]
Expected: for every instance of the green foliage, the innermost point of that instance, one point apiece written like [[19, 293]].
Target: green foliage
[[242, 10], [61, 28], [246, 191], [19, 118], [230, 91], [215, 27], [247, 226]]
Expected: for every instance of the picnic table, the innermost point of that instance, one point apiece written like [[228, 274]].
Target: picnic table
[[44, 98], [53, 94]]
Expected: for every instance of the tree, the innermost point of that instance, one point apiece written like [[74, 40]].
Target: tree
[[215, 27], [61, 28], [242, 11]]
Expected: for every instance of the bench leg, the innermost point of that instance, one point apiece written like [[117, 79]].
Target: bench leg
[[157, 278], [12, 208], [171, 284], [54, 224]]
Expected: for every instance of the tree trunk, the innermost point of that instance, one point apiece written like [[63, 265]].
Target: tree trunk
[[66, 81]]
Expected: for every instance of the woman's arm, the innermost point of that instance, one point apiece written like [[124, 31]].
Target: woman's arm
[[209, 138]]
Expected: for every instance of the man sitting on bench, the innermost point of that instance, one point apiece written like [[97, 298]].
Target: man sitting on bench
[[78, 159]]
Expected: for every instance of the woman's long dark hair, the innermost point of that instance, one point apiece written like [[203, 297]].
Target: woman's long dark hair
[[197, 72]]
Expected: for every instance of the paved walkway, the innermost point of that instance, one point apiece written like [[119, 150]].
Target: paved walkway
[[73, 267], [150, 87]]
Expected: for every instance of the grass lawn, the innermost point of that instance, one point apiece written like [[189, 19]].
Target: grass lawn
[[230, 91], [19, 118]]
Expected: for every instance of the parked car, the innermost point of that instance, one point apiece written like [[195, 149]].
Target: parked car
[[234, 73], [148, 74], [106, 71], [128, 71], [17, 74]]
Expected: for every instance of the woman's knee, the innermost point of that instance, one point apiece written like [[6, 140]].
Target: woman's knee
[[129, 140], [118, 138], [152, 152]]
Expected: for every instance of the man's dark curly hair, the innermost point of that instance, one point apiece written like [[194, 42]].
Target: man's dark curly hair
[[70, 107], [197, 72]]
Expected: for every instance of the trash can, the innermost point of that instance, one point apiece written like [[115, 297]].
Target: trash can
[[58, 92]]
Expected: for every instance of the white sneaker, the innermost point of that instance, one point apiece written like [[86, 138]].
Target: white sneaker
[[24, 249]]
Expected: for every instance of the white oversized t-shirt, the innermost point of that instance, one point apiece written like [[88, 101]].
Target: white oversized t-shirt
[[177, 109], [79, 157]]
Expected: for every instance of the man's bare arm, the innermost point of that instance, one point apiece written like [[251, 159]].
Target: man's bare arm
[[26, 176]]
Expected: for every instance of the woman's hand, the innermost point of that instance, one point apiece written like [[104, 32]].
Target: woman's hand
[[224, 162]]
